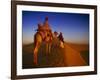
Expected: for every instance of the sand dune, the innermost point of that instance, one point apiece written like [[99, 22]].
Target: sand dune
[[72, 57]]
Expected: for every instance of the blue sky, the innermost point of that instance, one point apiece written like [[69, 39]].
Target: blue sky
[[74, 26]]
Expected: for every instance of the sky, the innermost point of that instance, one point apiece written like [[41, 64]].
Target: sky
[[74, 26]]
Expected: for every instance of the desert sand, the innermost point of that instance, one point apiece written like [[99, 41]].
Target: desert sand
[[73, 57]]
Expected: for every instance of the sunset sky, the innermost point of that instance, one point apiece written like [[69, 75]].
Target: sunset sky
[[74, 26]]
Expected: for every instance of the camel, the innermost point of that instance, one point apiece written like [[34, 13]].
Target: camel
[[42, 35]]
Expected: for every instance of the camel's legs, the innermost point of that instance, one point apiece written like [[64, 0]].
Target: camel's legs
[[49, 48], [35, 54], [46, 48]]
